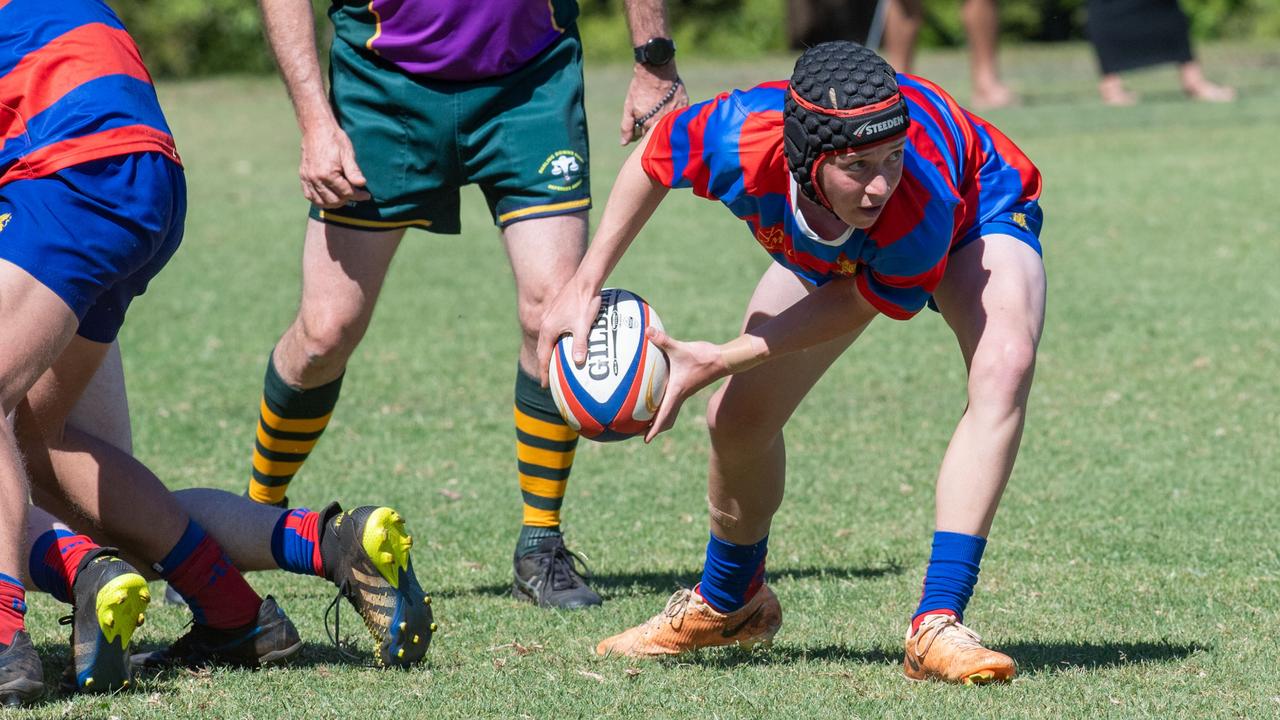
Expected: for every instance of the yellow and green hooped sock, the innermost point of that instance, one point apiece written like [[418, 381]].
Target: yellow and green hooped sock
[[290, 422], [544, 457]]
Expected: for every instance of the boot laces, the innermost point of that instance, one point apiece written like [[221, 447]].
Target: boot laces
[[935, 626], [677, 606], [334, 628], [560, 569]]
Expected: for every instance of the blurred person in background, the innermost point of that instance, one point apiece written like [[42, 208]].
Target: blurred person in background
[[903, 20], [1132, 34]]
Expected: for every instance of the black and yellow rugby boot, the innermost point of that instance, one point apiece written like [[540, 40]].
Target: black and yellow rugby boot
[[109, 601], [366, 555]]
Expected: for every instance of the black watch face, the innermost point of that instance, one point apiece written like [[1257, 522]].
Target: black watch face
[[659, 51]]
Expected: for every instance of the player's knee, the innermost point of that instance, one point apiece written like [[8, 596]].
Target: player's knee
[[330, 337], [1000, 374], [734, 431]]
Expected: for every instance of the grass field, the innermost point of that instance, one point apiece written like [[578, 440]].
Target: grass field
[[1133, 570]]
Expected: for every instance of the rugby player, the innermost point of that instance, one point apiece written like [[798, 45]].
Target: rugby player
[[427, 97], [92, 204], [875, 194]]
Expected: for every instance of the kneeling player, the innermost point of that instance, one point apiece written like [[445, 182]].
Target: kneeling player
[[92, 203], [874, 193]]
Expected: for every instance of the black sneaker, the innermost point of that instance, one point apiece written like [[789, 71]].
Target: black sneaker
[[366, 554], [109, 598], [21, 675], [549, 577], [271, 638]]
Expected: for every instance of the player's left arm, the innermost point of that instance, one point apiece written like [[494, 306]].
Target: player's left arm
[[833, 310], [655, 89]]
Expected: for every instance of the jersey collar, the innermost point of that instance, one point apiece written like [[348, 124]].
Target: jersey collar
[[803, 226]]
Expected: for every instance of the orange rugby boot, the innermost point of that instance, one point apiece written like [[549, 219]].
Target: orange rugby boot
[[688, 623], [943, 649]]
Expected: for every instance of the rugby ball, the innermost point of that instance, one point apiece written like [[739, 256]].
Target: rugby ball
[[616, 393]]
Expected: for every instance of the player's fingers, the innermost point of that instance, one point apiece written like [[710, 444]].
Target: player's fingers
[[582, 330], [327, 198], [626, 133], [666, 416], [351, 169], [308, 191], [545, 344], [338, 186], [659, 338]]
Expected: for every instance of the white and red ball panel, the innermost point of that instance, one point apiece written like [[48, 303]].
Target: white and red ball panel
[[616, 393]]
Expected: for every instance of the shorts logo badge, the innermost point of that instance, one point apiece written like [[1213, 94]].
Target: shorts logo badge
[[566, 171], [1021, 220], [4, 220]]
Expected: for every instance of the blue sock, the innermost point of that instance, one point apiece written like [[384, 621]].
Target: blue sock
[[733, 573], [952, 573]]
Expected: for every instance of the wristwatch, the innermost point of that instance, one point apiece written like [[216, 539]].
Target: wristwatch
[[658, 51]]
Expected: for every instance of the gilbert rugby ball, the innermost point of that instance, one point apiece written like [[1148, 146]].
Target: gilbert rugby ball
[[616, 393]]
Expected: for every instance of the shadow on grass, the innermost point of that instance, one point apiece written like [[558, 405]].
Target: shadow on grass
[[614, 585], [312, 654], [1033, 658]]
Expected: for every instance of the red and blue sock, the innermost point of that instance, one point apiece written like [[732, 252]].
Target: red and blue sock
[[55, 558], [295, 542], [214, 589], [733, 573], [951, 576], [13, 607]]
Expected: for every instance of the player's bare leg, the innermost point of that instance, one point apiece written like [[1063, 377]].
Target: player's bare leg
[[745, 487], [233, 624], [35, 325], [261, 537], [993, 297], [343, 271], [544, 253]]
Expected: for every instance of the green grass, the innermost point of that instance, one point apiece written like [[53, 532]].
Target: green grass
[[1133, 569]]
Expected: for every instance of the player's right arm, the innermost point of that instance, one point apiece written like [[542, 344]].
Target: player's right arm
[[328, 170], [631, 203]]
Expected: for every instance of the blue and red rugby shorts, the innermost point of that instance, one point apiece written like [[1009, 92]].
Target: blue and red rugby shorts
[[96, 233]]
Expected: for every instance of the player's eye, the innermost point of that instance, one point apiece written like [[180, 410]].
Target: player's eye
[[894, 157]]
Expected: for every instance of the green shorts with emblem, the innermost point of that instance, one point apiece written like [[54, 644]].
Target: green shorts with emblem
[[521, 137]]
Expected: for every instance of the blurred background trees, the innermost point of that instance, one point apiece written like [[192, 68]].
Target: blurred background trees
[[182, 38]]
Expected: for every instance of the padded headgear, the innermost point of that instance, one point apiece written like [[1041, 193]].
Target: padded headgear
[[841, 96]]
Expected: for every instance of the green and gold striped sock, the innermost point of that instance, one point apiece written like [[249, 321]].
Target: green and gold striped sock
[[290, 421], [544, 458]]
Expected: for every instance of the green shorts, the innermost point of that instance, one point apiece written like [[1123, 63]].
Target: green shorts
[[521, 137]]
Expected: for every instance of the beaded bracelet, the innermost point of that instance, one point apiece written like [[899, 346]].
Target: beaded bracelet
[[640, 121]]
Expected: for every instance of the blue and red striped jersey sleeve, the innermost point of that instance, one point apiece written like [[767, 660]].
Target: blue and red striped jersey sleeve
[[720, 148]]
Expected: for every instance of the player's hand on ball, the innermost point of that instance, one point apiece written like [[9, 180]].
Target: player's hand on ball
[[329, 173], [572, 313], [693, 366]]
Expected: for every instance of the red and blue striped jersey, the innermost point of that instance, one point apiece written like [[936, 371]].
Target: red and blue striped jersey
[[958, 173], [72, 89]]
